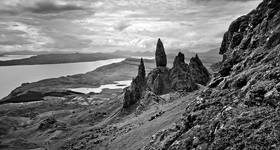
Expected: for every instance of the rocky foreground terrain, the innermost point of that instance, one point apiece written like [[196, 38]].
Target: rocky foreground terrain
[[181, 107]]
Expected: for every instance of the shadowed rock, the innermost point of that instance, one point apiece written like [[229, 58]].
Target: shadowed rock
[[180, 75], [141, 70], [134, 93], [158, 85], [158, 80], [161, 59], [199, 73], [179, 60]]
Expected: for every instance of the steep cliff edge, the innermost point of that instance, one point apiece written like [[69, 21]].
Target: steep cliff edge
[[240, 109]]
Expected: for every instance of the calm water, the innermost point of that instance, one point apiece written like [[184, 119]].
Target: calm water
[[116, 85], [14, 76]]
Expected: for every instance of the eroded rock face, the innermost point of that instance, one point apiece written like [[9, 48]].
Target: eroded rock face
[[134, 93], [199, 73], [180, 75], [158, 80], [257, 29], [161, 59]]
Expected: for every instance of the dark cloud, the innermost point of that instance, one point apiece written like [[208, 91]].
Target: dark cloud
[[99, 25], [37, 6], [51, 7]]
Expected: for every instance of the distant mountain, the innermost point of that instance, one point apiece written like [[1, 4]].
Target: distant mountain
[[26, 52], [59, 58]]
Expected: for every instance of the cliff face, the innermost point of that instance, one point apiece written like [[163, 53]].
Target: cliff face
[[240, 108], [250, 37]]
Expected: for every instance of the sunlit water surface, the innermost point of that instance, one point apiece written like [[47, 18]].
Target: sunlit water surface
[[116, 85]]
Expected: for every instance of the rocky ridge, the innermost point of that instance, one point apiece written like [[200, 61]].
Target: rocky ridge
[[240, 107]]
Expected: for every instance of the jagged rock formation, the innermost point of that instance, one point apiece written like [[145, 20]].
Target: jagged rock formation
[[180, 75], [133, 94], [162, 80], [240, 109], [161, 59], [199, 73]]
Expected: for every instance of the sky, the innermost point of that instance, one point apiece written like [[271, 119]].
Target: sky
[[110, 25]]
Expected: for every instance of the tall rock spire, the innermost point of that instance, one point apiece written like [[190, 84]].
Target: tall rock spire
[[141, 70], [161, 60], [138, 85]]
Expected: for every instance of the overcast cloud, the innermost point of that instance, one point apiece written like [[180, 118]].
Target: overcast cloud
[[109, 25]]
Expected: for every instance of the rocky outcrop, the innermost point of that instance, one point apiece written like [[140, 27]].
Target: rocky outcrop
[[240, 109], [134, 93], [199, 73], [161, 59], [162, 80], [257, 29], [180, 75], [158, 80]]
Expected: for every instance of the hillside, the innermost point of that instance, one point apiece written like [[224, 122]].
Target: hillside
[[170, 105]]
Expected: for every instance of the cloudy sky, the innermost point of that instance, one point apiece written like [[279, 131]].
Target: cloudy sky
[[109, 25]]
